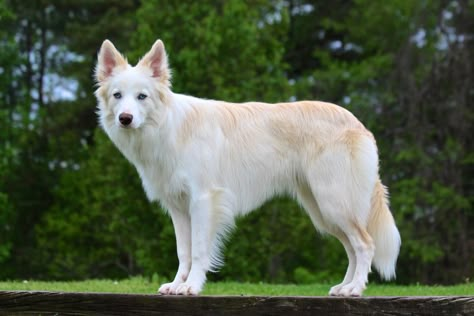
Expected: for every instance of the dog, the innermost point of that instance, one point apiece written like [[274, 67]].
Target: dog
[[208, 161]]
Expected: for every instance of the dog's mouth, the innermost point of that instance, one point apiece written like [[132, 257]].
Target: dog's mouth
[[129, 127], [125, 126]]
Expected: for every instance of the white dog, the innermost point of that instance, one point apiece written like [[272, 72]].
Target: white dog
[[209, 161]]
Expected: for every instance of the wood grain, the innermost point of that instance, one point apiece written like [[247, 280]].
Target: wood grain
[[57, 303]]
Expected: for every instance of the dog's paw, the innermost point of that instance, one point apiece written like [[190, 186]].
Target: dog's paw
[[168, 288], [334, 291], [351, 290], [187, 289]]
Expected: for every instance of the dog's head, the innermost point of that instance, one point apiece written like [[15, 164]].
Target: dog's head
[[130, 97]]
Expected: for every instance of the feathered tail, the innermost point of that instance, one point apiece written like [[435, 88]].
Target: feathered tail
[[384, 233]]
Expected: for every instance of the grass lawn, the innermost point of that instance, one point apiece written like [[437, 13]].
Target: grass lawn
[[139, 285]]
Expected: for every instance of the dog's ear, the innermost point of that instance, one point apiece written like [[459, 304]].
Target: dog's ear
[[157, 61], [108, 59]]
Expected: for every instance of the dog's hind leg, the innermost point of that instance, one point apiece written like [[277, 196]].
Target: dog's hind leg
[[306, 199], [182, 229], [355, 238], [342, 181], [351, 255], [364, 248]]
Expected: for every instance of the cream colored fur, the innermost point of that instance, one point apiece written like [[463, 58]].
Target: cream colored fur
[[209, 161]]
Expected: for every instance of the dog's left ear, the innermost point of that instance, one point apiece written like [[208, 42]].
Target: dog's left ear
[[157, 61]]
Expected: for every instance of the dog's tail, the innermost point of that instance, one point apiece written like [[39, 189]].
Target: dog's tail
[[384, 233]]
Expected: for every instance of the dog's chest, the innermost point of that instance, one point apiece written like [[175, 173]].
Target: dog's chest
[[161, 182], [155, 165]]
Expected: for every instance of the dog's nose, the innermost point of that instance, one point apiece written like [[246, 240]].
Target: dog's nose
[[125, 118]]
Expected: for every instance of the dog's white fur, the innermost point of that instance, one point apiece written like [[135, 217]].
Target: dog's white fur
[[208, 161]]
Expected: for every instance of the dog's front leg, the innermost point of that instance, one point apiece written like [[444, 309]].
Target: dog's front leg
[[201, 230], [182, 230]]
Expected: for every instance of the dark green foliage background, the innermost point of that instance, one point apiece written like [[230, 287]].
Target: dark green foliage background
[[71, 207]]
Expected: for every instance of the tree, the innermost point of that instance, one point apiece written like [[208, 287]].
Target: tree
[[50, 109], [9, 59]]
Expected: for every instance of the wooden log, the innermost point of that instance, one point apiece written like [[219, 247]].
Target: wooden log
[[56, 303]]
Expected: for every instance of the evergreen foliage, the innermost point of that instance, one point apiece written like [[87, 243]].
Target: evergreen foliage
[[71, 207]]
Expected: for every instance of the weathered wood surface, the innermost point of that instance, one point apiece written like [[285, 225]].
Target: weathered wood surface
[[53, 303]]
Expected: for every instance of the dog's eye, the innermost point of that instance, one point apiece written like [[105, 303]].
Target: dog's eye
[[142, 96], [117, 95]]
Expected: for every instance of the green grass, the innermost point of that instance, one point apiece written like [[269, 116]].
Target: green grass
[[145, 286]]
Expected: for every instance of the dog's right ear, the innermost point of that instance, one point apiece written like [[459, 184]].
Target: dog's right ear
[[108, 59]]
